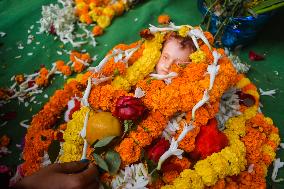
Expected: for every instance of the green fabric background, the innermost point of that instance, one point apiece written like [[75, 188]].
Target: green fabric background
[[17, 16]]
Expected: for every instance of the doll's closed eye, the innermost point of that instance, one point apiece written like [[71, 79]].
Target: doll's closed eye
[[165, 57]]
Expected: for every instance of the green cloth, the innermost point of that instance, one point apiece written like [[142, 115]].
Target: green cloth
[[16, 17]]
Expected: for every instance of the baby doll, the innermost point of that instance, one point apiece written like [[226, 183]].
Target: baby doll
[[176, 50]]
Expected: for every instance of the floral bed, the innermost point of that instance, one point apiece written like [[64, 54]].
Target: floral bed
[[197, 126]]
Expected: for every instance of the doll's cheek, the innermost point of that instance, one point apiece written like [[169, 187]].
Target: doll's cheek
[[160, 69]]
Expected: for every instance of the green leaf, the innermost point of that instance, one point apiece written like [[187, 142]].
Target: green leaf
[[53, 150], [105, 186], [116, 72], [103, 142], [265, 4], [127, 125], [113, 161], [270, 8], [100, 162]]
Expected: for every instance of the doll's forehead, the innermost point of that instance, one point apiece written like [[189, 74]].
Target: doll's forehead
[[173, 45]]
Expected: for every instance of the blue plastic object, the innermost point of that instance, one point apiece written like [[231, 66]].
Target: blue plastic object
[[239, 30]]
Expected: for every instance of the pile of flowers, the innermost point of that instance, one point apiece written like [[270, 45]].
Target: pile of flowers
[[65, 16], [198, 126]]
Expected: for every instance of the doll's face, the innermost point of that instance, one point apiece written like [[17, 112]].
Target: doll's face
[[173, 52]]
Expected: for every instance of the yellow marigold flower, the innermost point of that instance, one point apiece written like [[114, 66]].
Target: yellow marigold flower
[[239, 149], [183, 31], [92, 5], [204, 169], [118, 8], [268, 120], [77, 78], [181, 183], [250, 112], [253, 93], [103, 21], [71, 152], [108, 11], [232, 158], [243, 82], [81, 5], [219, 165], [73, 145], [198, 57], [85, 18], [169, 187], [143, 66], [275, 138], [231, 135], [268, 150], [93, 15], [237, 125], [195, 180]]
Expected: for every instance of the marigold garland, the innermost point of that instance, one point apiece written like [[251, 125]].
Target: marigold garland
[[143, 66], [148, 130], [230, 161], [73, 145], [40, 134]]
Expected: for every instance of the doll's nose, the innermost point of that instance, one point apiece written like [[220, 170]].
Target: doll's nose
[[168, 64]]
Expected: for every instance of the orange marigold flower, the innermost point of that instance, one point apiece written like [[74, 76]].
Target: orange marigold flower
[[129, 151], [41, 81], [4, 141], [86, 57], [104, 97], [59, 64], [39, 134], [66, 70], [155, 123], [78, 67], [141, 137], [63, 126], [73, 55], [119, 8], [114, 68], [188, 143], [97, 31], [173, 167], [164, 19], [85, 18], [19, 78]]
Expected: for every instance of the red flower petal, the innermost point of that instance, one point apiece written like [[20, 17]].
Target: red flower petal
[[255, 57], [76, 107], [158, 150], [129, 108], [31, 83], [52, 30], [209, 140]]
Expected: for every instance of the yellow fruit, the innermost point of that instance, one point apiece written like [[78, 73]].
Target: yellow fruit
[[101, 125]]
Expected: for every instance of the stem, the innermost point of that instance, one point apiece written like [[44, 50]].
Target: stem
[[208, 10], [269, 8], [208, 24]]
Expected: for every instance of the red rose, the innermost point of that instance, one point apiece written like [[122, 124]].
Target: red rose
[[158, 150], [209, 140], [129, 108]]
